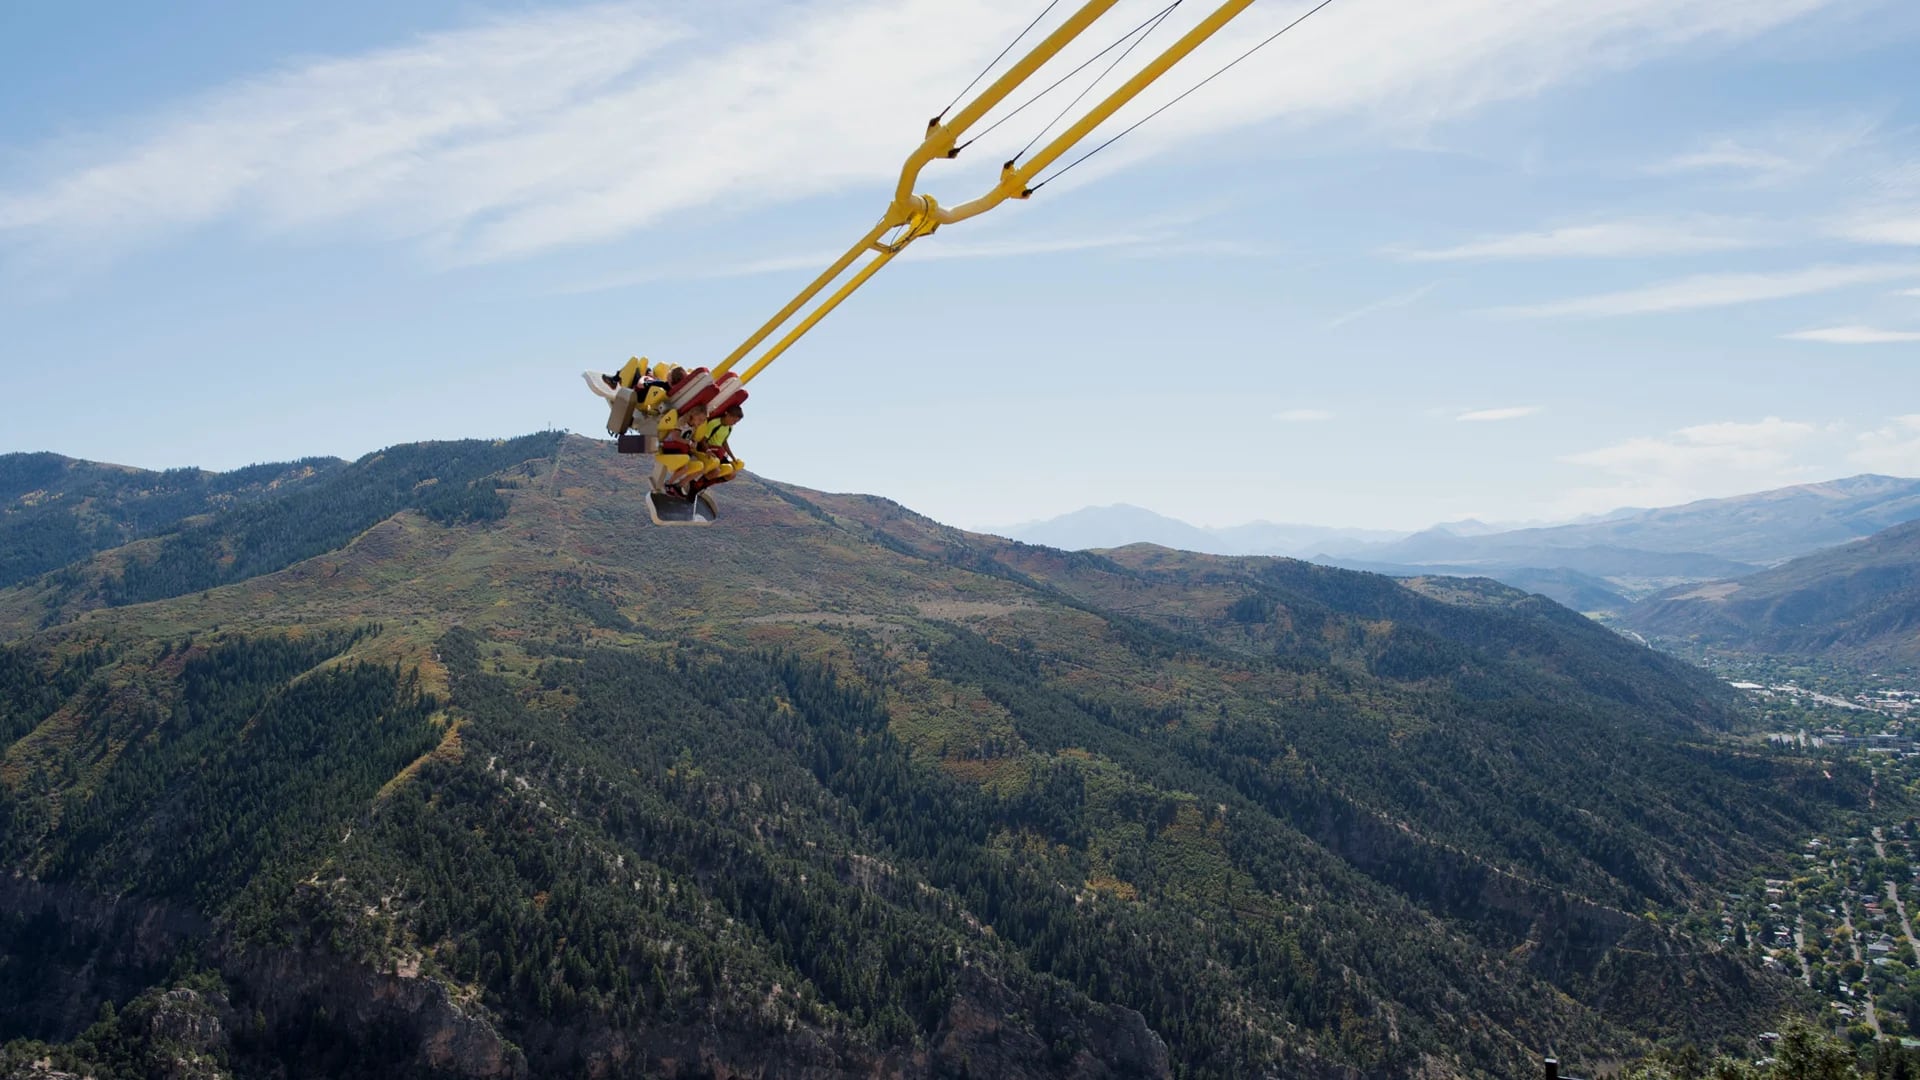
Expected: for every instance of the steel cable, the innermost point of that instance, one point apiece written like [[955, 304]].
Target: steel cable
[[1263, 44]]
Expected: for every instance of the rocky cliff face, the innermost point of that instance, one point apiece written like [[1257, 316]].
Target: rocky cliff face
[[372, 1023], [64, 951]]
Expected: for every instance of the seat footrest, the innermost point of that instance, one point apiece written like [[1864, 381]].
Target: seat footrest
[[668, 509]]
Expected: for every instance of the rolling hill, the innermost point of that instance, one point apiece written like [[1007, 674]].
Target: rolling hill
[[1858, 603], [55, 509], [463, 767]]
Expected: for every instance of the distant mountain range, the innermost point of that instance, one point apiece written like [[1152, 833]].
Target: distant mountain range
[[1094, 527], [1760, 529], [1597, 565], [1858, 602]]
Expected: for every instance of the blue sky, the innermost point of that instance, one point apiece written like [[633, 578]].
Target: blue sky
[[1415, 261]]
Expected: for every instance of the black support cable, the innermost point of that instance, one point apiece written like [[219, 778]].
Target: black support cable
[[1084, 65], [996, 60], [1263, 44], [1151, 25]]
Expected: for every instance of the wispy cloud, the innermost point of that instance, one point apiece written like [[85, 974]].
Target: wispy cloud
[[1607, 239], [381, 134], [556, 128], [1855, 335], [1303, 416], [1480, 416], [1692, 463], [1398, 300], [1893, 228], [1127, 242], [1893, 448], [1728, 154], [1715, 290], [1793, 147]]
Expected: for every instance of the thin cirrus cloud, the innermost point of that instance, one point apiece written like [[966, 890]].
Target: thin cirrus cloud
[[537, 131], [1794, 147], [1390, 303], [1482, 416], [1855, 335], [989, 249], [1899, 228], [1714, 290], [1303, 416], [1602, 240]]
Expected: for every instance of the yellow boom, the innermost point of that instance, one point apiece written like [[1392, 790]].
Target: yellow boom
[[919, 215]]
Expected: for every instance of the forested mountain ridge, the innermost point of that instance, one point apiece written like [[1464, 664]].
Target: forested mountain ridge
[[55, 509], [1858, 603], [546, 789], [448, 482]]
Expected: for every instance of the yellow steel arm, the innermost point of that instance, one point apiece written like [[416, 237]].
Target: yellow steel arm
[[919, 215]]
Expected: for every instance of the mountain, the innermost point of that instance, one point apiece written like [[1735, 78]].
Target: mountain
[[54, 509], [1570, 588], [1623, 572], [1635, 554], [1857, 603], [1113, 526], [462, 767], [1098, 527], [1759, 529], [1597, 565]]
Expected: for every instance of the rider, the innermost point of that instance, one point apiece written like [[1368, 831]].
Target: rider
[[680, 459], [635, 375], [691, 450], [712, 438], [635, 391]]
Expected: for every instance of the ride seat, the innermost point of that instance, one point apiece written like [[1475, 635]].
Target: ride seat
[[727, 393], [695, 389]]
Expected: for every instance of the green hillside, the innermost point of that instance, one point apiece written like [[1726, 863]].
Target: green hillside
[[1857, 604], [54, 510], [518, 784]]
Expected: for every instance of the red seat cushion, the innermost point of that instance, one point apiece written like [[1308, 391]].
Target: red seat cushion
[[727, 393], [693, 389]]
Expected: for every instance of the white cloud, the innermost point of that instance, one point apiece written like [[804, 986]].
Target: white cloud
[[1609, 239], [1894, 448], [1716, 290], [1702, 461], [1893, 228], [1398, 300], [1855, 335], [375, 133], [548, 129], [1486, 415], [1303, 416], [1728, 154], [1159, 243], [1792, 147]]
